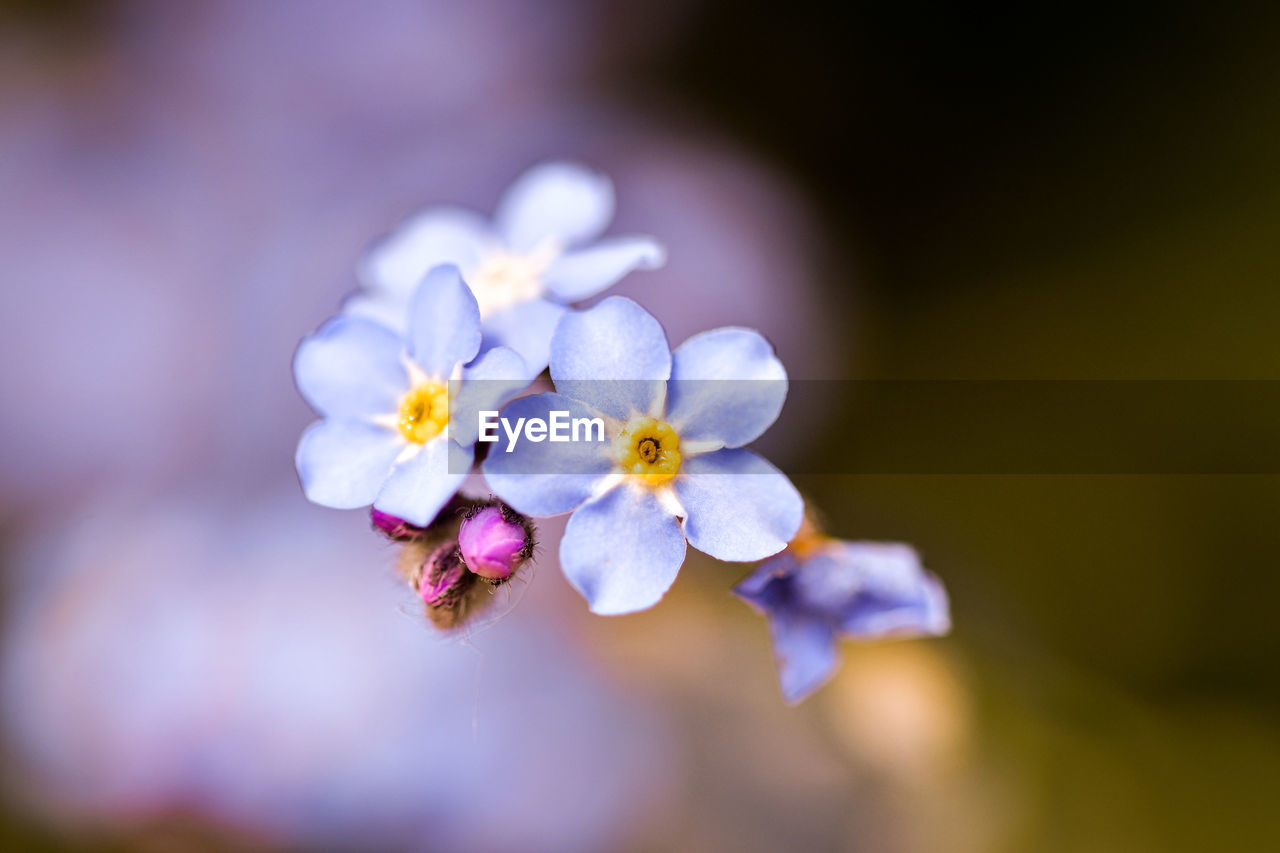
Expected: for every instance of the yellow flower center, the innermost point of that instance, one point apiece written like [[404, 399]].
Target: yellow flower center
[[502, 279], [649, 449], [424, 412]]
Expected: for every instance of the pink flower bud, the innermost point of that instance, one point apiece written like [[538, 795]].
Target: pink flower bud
[[495, 540], [445, 581], [393, 527]]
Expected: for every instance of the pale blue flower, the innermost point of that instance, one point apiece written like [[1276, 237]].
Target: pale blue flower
[[387, 437], [541, 251], [671, 469], [820, 590]]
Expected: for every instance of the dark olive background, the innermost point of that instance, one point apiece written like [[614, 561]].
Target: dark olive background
[[1087, 192], [1080, 190]]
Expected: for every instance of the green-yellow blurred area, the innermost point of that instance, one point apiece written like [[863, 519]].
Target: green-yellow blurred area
[[1085, 192]]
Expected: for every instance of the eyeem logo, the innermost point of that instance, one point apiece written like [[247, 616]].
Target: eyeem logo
[[560, 427]]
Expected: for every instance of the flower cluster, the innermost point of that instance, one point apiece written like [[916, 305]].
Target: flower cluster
[[460, 555], [458, 319]]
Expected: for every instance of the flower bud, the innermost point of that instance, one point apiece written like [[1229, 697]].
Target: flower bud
[[495, 540], [393, 527], [448, 590], [444, 581]]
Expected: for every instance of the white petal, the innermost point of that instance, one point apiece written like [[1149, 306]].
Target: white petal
[[343, 464], [382, 307], [558, 203], [419, 487], [351, 367], [444, 323], [525, 327], [622, 550], [545, 478], [492, 380], [438, 235], [613, 356], [579, 274], [727, 387], [739, 506]]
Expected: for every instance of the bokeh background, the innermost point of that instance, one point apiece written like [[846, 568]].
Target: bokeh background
[[195, 658]]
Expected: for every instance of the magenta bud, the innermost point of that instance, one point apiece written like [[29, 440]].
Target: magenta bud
[[393, 527], [495, 540], [445, 580]]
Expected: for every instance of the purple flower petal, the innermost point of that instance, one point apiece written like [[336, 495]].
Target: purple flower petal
[[622, 550], [545, 478], [585, 272], [351, 367], [756, 587], [727, 386], [555, 202], [389, 311], [806, 653], [492, 380], [874, 589], [614, 357], [739, 507], [419, 487], [444, 323], [438, 235], [342, 464], [525, 327]]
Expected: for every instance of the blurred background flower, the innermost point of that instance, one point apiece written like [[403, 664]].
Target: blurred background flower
[[184, 665], [885, 190]]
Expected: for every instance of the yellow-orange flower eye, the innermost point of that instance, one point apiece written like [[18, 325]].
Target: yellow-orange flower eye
[[424, 412], [649, 449]]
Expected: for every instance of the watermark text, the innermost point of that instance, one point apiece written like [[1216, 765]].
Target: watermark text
[[558, 426]]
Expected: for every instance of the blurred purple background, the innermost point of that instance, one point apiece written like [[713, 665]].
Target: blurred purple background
[[194, 657]]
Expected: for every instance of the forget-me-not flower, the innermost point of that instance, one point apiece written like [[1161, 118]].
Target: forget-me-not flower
[[540, 252], [821, 589], [387, 437], [671, 468]]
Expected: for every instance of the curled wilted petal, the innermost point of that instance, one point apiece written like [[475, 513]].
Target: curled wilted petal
[[820, 590], [393, 526]]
